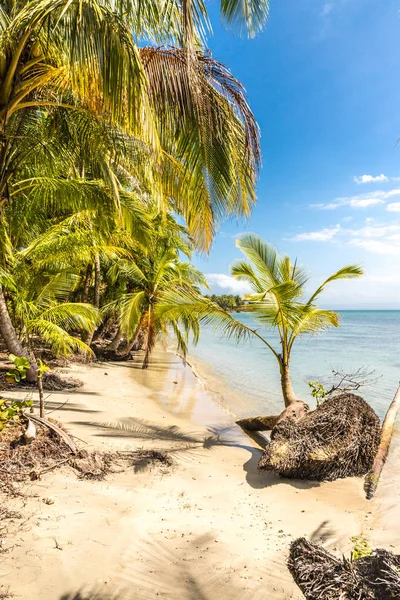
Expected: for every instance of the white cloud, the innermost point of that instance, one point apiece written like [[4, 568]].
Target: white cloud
[[374, 231], [393, 207], [371, 178], [390, 247], [360, 200], [222, 283], [323, 235], [327, 8], [379, 239]]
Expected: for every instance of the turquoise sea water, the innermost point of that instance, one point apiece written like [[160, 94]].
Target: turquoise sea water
[[245, 377]]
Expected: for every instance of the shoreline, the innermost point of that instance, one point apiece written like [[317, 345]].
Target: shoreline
[[210, 527]]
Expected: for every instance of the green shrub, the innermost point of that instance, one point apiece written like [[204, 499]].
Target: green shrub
[[361, 547], [10, 410]]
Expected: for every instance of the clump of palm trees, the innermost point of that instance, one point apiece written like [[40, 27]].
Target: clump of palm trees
[[105, 143], [118, 159]]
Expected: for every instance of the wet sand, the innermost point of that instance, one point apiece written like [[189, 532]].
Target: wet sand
[[210, 527]]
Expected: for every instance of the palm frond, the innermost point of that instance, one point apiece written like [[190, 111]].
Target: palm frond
[[247, 17], [72, 316], [263, 256], [60, 342], [132, 307], [348, 272]]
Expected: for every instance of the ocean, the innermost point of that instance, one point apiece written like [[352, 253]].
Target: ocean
[[244, 378]]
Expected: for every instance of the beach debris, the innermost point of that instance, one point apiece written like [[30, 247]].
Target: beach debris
[[93, 465], [146, 459], [24, 462], [322, 576], [57, 430], [53, 382], [338, 439], [372, 478], [48, 501]]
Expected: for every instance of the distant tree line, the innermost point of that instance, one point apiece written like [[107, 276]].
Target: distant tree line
[[228, 302]]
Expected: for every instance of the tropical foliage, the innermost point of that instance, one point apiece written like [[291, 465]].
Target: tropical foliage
[[228, 302], [278, 302], [115, 123]]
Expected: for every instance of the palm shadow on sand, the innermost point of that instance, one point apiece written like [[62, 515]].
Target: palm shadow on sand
[[179, 573], [185, 444]]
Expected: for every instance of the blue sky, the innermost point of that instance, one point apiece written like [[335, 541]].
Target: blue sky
[[323, 80]]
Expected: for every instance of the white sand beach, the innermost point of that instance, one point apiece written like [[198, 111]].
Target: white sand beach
[[209, 527]]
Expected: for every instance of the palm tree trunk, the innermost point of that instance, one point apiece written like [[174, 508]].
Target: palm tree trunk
[[149, 338], [288, 394], [96, 293], [86, 285], [372, 479], [116, 341], [97, 281], [11, 339]]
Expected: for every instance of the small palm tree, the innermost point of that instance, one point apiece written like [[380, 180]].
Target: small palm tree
[[278, 302]]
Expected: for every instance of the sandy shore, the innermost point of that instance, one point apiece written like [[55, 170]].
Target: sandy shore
[[210, 527]]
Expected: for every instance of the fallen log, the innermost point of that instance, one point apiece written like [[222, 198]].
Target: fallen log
[[258, 423], [294, 411], [372, 478], [255, 424]]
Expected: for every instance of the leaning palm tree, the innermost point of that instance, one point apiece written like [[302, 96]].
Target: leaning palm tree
[[279, 303], [183, 106]]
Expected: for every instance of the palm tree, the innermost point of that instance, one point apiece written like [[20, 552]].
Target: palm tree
[[278, 302], [202, 142], [150, 276], [37, 309]]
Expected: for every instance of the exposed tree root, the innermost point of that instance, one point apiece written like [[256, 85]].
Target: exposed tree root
[[322, 576], [338, 439]]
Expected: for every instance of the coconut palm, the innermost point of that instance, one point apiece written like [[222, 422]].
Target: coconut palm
[[65, 222], [182, 105], [149, 277], [38, 310], [278, 302]]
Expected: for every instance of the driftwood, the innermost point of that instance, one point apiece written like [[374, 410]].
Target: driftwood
[[322, 576], [296, 410], [60, 432], [30, 431], [338, 439], [372, 479], [258, 423]]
